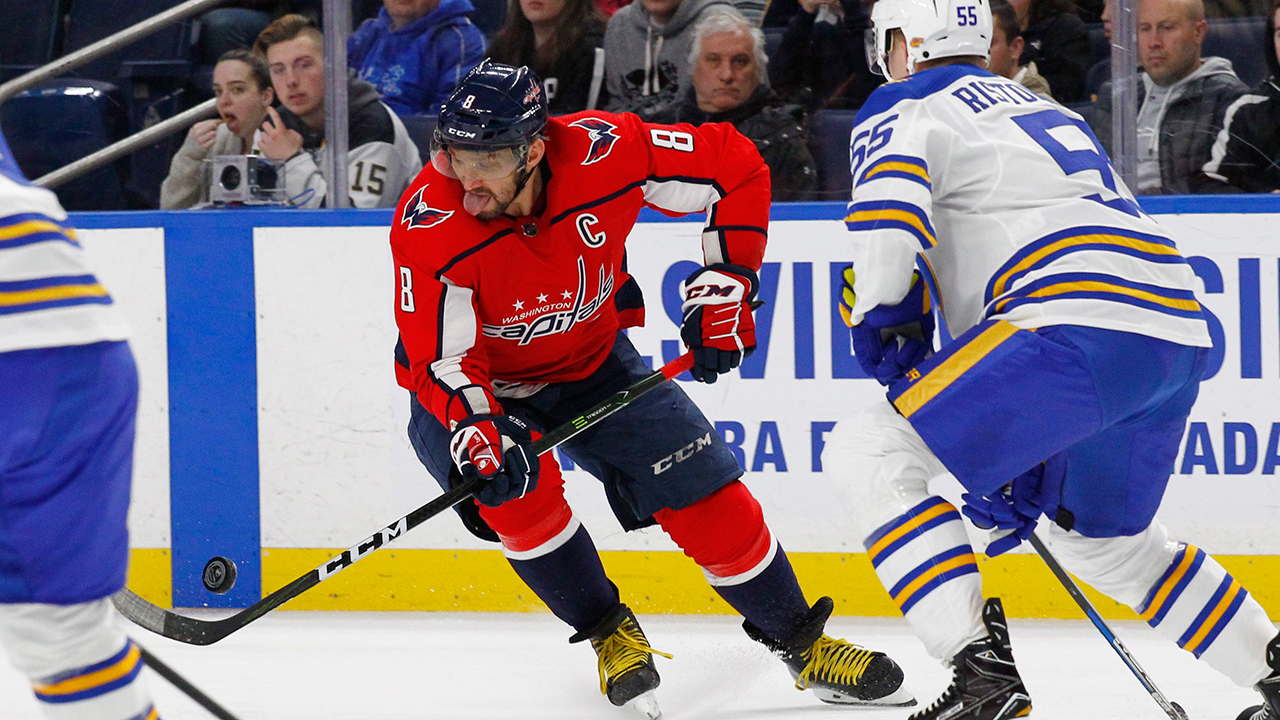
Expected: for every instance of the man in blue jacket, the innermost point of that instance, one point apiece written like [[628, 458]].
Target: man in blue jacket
[[416, 51]]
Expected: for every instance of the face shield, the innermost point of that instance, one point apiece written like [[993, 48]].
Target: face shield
[[877, 56], [470, 165]]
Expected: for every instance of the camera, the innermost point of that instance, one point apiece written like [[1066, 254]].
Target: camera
[[248, 180]]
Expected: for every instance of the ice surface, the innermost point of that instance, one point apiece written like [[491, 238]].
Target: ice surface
[[464, 666]]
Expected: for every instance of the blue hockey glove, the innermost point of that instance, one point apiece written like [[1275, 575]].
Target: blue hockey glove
[[891, 339], [499, 449], [718, 326], [1016, 508]]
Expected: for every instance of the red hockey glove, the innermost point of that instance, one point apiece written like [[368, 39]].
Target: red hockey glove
[[718, 326], [498, 449]]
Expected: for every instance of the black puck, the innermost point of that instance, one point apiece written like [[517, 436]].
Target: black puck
[[219, 575]]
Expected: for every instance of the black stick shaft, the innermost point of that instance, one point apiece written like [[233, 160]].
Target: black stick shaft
[[186, 687], [204, 632], [1174, 710]]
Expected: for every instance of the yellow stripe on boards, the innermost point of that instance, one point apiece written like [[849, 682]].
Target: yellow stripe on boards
[[1158, 601], [94, 679], [63, 292], [1227, 598], [894, 535], [940, 377], [652, 582]]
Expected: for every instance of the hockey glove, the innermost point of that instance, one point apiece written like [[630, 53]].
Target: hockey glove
[[718, 326], [498, 449], [1015, 508], [891, 339]]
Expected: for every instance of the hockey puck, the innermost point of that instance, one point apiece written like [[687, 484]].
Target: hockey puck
[[219, 575]]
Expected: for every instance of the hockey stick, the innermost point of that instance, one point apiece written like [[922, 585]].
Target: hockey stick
[[205, 632], [182, 684], [1173, 709]]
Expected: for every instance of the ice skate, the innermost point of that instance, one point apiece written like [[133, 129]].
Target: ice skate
[[627, 674], [1269, 687], [986, 685], [837, 671]]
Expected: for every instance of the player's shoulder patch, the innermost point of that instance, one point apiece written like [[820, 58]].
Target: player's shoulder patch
[[418, 213], [917, 87], [602, 135]]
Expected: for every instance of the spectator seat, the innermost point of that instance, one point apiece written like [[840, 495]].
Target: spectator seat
[[420, 129], [489, 15], [829, 144], [33, 37], [92, 20], [772, 39], [1244, 42], [62, 121]]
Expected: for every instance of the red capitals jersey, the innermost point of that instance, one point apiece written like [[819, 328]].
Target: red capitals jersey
[[500, 308]]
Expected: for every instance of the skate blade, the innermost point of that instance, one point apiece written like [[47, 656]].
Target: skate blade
[[899, 698], [646, 704]]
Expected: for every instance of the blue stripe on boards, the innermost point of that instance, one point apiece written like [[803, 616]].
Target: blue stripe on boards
[[213, 408]]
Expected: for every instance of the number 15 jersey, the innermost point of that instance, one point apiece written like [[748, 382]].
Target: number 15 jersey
[[1013, 209]]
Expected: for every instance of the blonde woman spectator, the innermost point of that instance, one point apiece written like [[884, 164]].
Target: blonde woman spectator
[[557, 39], [243, 89]]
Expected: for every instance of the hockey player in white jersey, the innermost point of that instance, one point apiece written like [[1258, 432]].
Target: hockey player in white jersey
[[69, 396], [1077, 354]]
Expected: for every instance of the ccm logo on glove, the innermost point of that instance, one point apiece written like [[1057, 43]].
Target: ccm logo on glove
[[718, 326]]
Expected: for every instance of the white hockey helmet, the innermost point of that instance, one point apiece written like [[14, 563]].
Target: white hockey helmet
[[933, 28]]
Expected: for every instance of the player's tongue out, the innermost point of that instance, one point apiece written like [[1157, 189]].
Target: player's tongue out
[[475, 202]]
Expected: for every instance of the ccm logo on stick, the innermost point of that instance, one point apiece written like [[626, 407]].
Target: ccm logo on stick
[[681, 455], [362, 548]]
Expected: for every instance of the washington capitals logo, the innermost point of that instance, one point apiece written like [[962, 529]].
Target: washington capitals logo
[[418, 215], [602, 138]]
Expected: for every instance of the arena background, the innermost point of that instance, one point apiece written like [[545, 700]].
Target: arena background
[[271, 430]]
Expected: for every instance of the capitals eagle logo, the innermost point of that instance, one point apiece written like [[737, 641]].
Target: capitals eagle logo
[[418, 215], [602, 138]]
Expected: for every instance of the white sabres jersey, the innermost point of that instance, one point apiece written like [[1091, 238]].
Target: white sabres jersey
[[1013, 208], [48, 295]]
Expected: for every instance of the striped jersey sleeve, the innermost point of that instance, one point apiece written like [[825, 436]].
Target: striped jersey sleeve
[[49, 296]]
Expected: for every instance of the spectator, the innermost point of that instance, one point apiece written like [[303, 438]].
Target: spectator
[[242, 87], [647, 46], [557, 39], [381, 158], [1057, 41], [416, 51], [729, 67], [1006, 48], [1185, 98], [820, 60], [1246, 155]]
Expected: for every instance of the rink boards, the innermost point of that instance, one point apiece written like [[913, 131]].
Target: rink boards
[[271, 430]]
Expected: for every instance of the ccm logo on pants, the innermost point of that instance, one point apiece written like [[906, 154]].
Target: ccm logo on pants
[[681, 455]]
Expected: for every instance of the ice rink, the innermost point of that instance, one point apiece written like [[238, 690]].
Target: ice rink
[[393, 666]]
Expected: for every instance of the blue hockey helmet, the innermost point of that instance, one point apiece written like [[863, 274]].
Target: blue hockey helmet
[[495, 106]]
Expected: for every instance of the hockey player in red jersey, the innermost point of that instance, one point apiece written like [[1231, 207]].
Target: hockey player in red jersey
[[512, 295]]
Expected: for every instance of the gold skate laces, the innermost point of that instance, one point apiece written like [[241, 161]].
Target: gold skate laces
[[623, 651], [838, 662]]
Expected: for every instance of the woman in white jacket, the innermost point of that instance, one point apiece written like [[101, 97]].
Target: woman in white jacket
[[242, 86]]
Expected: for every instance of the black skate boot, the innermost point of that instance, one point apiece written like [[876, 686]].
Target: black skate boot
[[837, 671], [626, 666], [1270, 688], [985, 684]]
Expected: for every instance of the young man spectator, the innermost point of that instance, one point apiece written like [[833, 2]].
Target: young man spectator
[[647, 47], [1006, 49], [729, 67], [416, 51], [1185, 97], [1246, 155], [381, 158]]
